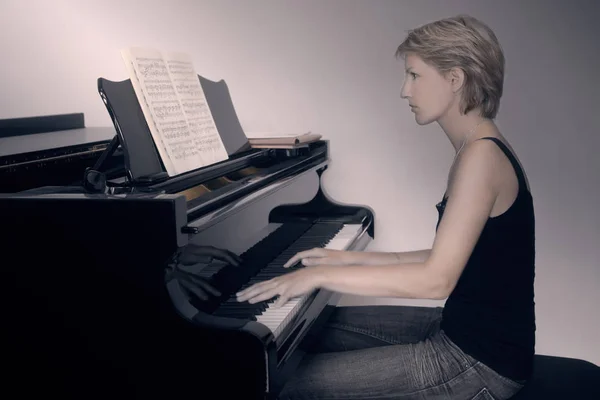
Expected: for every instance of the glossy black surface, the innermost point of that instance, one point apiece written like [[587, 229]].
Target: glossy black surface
[[109, 295], [40, 124]]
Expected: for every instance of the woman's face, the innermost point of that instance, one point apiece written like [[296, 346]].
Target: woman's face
[[429, 93]]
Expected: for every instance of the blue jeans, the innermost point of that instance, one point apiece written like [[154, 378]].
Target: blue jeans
[[392, 352]]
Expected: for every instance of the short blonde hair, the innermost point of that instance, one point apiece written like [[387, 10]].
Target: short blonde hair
[[467, 43]]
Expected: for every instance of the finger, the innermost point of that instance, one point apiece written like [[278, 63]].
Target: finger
[[269, 294], [257, 294], [207, 251], [258, 287], [210, 250], [292, 261], [271, 286], [226, 257], [281, 301], [322, 261], [316, 252], [316, 261], [213, 251], [195, 274], [237, 258], [298, 257], [198, 250]]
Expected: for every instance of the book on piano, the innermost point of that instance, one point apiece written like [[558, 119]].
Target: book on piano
[[277, 140]]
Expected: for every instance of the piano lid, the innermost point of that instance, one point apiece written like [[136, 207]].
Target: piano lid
[[49, 150], [44, 141]]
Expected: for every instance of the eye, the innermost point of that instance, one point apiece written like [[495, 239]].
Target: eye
[[413, 75]]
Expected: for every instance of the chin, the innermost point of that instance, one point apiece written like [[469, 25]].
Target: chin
[[424, 120]]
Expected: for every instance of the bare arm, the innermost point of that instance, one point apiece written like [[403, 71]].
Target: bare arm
[[383, 258], [413, 280], [471, 198], [469, 205], [321, 256]]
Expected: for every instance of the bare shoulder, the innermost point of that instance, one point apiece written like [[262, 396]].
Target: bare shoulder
[[478, 164], [514, 153], [505, 168], [488, 168]]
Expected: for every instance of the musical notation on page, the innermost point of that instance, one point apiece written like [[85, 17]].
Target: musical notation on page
[[202, 125], [175, 108]]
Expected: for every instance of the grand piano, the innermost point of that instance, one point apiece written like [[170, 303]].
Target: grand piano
[[123, 286]]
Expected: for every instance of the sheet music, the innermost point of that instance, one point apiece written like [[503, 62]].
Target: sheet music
[[202, 125], [163, 110]]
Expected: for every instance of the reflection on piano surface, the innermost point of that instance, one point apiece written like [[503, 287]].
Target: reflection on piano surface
[[130, 293]]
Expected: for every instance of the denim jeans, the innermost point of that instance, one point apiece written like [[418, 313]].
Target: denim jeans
[[392, 352]]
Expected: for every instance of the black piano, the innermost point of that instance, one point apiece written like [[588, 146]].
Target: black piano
[[118, 284]]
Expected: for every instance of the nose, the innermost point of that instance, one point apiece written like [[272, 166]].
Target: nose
[[404, 93]]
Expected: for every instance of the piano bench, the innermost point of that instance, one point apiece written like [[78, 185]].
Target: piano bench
[[561, 378]]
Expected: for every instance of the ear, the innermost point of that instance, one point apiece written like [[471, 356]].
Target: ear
[[456, 77]]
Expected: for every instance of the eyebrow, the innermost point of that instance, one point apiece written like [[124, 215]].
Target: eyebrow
[[409, 69]]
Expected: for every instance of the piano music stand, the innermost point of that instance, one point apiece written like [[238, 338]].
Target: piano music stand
[[142, 163]]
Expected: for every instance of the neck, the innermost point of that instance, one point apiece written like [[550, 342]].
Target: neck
[[461, 129]]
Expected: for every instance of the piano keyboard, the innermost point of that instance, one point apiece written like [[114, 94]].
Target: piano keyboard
[[335, 236], [276, 319]]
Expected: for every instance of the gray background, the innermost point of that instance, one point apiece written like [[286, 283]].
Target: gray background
[[328, 66]]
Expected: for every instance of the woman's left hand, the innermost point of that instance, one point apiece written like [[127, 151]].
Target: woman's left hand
[[287, 286]]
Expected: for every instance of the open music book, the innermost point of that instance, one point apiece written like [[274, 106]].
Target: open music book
[[175, 107]]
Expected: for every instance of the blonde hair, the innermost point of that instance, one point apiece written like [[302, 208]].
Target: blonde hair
[[469, 44]]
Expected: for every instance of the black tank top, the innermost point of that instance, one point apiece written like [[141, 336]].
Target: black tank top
[[490, 314]]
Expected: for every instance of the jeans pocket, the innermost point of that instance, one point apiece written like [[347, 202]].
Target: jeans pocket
[[484, 394], [492, 374]]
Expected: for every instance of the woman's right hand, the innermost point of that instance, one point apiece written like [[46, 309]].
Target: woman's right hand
[[320, 256]]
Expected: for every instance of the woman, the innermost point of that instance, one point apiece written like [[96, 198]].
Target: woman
[[480, 345]]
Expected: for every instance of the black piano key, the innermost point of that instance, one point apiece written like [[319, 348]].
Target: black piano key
[[230, 279], [318, 235]]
